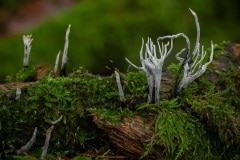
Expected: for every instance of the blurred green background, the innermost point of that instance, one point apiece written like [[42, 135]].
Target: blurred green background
[[104, 32]]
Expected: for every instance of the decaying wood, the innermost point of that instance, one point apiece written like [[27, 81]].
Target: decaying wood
[[104, 156], [233, 48], [129, 136], [229, 58]]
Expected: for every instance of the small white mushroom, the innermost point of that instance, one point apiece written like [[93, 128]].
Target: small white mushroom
[[65, 51], [56, 64], [18, 93], [27, 40], [120, 90]]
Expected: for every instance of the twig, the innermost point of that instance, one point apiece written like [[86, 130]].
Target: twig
[[29, 144]]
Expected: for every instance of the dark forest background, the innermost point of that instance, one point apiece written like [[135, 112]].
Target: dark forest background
[[104, 32]]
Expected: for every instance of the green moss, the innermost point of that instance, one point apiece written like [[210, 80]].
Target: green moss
[[202, 123], [113, 117], [41, 103], [75, 97], [179, 134], [216, 105], [24, 75]]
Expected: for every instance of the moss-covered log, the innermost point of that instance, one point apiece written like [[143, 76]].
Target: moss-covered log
[[194, 125]]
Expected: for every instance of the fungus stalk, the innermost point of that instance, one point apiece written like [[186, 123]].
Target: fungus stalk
[[48, 137], [56, 64], [183, 60], [27, 40], [192, 63], [120, 90], [29, 144], [46, 144], [63, 71], [57, 121], [18, 93]]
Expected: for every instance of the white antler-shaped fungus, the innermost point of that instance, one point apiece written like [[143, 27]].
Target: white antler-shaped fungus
[[152, 65], [196, 69], [191, 63], [193, 67]]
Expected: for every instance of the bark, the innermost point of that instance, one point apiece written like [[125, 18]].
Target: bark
[[129, 136]]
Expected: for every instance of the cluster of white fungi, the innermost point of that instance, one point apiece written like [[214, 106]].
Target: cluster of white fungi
[[152, 65], [27, 40]]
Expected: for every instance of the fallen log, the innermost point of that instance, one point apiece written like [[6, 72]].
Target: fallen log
[[131, 134]]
